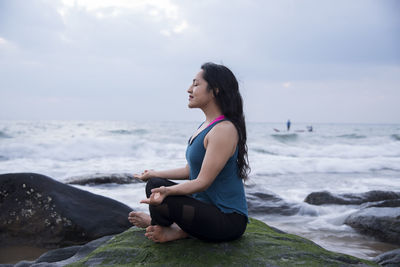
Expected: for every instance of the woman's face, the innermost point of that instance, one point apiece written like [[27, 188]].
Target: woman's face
[[199, 96]]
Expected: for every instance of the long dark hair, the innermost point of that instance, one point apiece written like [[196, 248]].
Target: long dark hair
[[225, 87]]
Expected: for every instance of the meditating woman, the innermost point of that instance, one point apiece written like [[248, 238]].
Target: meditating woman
[[212, 205]]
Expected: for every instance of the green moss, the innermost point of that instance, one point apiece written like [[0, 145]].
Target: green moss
[[259, 246]]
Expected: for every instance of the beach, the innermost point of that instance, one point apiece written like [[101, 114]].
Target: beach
[[339, 158]]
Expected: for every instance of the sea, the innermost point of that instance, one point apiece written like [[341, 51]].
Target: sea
[[339, 158]]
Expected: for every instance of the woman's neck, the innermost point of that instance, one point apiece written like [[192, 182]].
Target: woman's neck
[[211, 113]]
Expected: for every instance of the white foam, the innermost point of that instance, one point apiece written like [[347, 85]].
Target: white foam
[[129, 194]]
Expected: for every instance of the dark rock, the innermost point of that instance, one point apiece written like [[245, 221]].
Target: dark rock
[[101, 178], [382, 223], [269, 203], [389, 259], [39, 211], [391, 203], [64, 256], [86, 249], [325, 197], [59, 254], [23, 264], [259, 246]]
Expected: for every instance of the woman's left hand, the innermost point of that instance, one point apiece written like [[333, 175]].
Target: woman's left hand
[[157, 196]]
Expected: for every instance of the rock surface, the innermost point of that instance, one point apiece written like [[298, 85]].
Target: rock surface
[[391, 203], [103, 178], [259, 246], [389, 259], [382, 223], [269, 203], [325, 197], [379, 213], [39, 211], [62, 256]]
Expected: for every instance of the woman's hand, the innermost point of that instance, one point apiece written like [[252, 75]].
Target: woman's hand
[[146, 175], [157, 196]]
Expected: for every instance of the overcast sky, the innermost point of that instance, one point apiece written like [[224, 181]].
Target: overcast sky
[[307, 60]]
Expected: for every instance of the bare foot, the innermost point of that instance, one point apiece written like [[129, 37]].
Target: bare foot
[[163, 234], [139, 219]]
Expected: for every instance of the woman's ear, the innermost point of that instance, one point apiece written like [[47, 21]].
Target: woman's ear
[[216, 91]]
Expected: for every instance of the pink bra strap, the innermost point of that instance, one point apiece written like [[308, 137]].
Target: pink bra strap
[[217, 119]]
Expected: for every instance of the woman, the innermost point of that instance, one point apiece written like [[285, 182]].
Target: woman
[[212, 204]]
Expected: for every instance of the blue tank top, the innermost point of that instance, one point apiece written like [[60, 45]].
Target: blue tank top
[[227, 190]]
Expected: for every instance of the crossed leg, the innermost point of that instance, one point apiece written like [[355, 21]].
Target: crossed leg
[[139, 219], [162, 234], [180, 216], [156, 233]]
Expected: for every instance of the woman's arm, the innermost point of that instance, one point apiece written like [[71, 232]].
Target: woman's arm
[[174, 174], [220, 145]]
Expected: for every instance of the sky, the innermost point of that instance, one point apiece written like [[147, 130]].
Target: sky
[[331, 61]]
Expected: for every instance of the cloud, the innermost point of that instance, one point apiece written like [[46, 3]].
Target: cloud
[[148, 51], [287, 84], [158, 11], [31, 25], [307, 31]]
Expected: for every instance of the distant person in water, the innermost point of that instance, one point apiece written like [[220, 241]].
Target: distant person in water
[[288, 123], [211, 205]]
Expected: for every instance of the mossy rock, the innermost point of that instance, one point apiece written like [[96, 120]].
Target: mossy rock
[[261, 245]]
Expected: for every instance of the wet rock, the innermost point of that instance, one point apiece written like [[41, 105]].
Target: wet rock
[[102, 178], [269, 203], [382, 223], [391, 203], [389, 259], [325, 197], [39, 211], [259, 246], [64, 256]]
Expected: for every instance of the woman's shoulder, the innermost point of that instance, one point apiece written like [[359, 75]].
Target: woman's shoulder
[[223, 136], [224, 128], [225, 124]]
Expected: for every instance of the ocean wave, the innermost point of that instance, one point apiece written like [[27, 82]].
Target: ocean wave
[[306, 209], [274, 166], [352, 136], [3, 158], [395, 137], [287, 137], [385, 169], [263, 151], [4, 135], [324, 151], [129, 132]]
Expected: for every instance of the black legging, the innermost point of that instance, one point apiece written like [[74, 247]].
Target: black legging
[[201, 220]]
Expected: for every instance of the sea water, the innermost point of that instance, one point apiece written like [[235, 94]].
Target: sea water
[[340, 158]]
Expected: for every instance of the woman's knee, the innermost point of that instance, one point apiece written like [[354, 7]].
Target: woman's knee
[[155, 183], [160, 215], [151, 183]]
